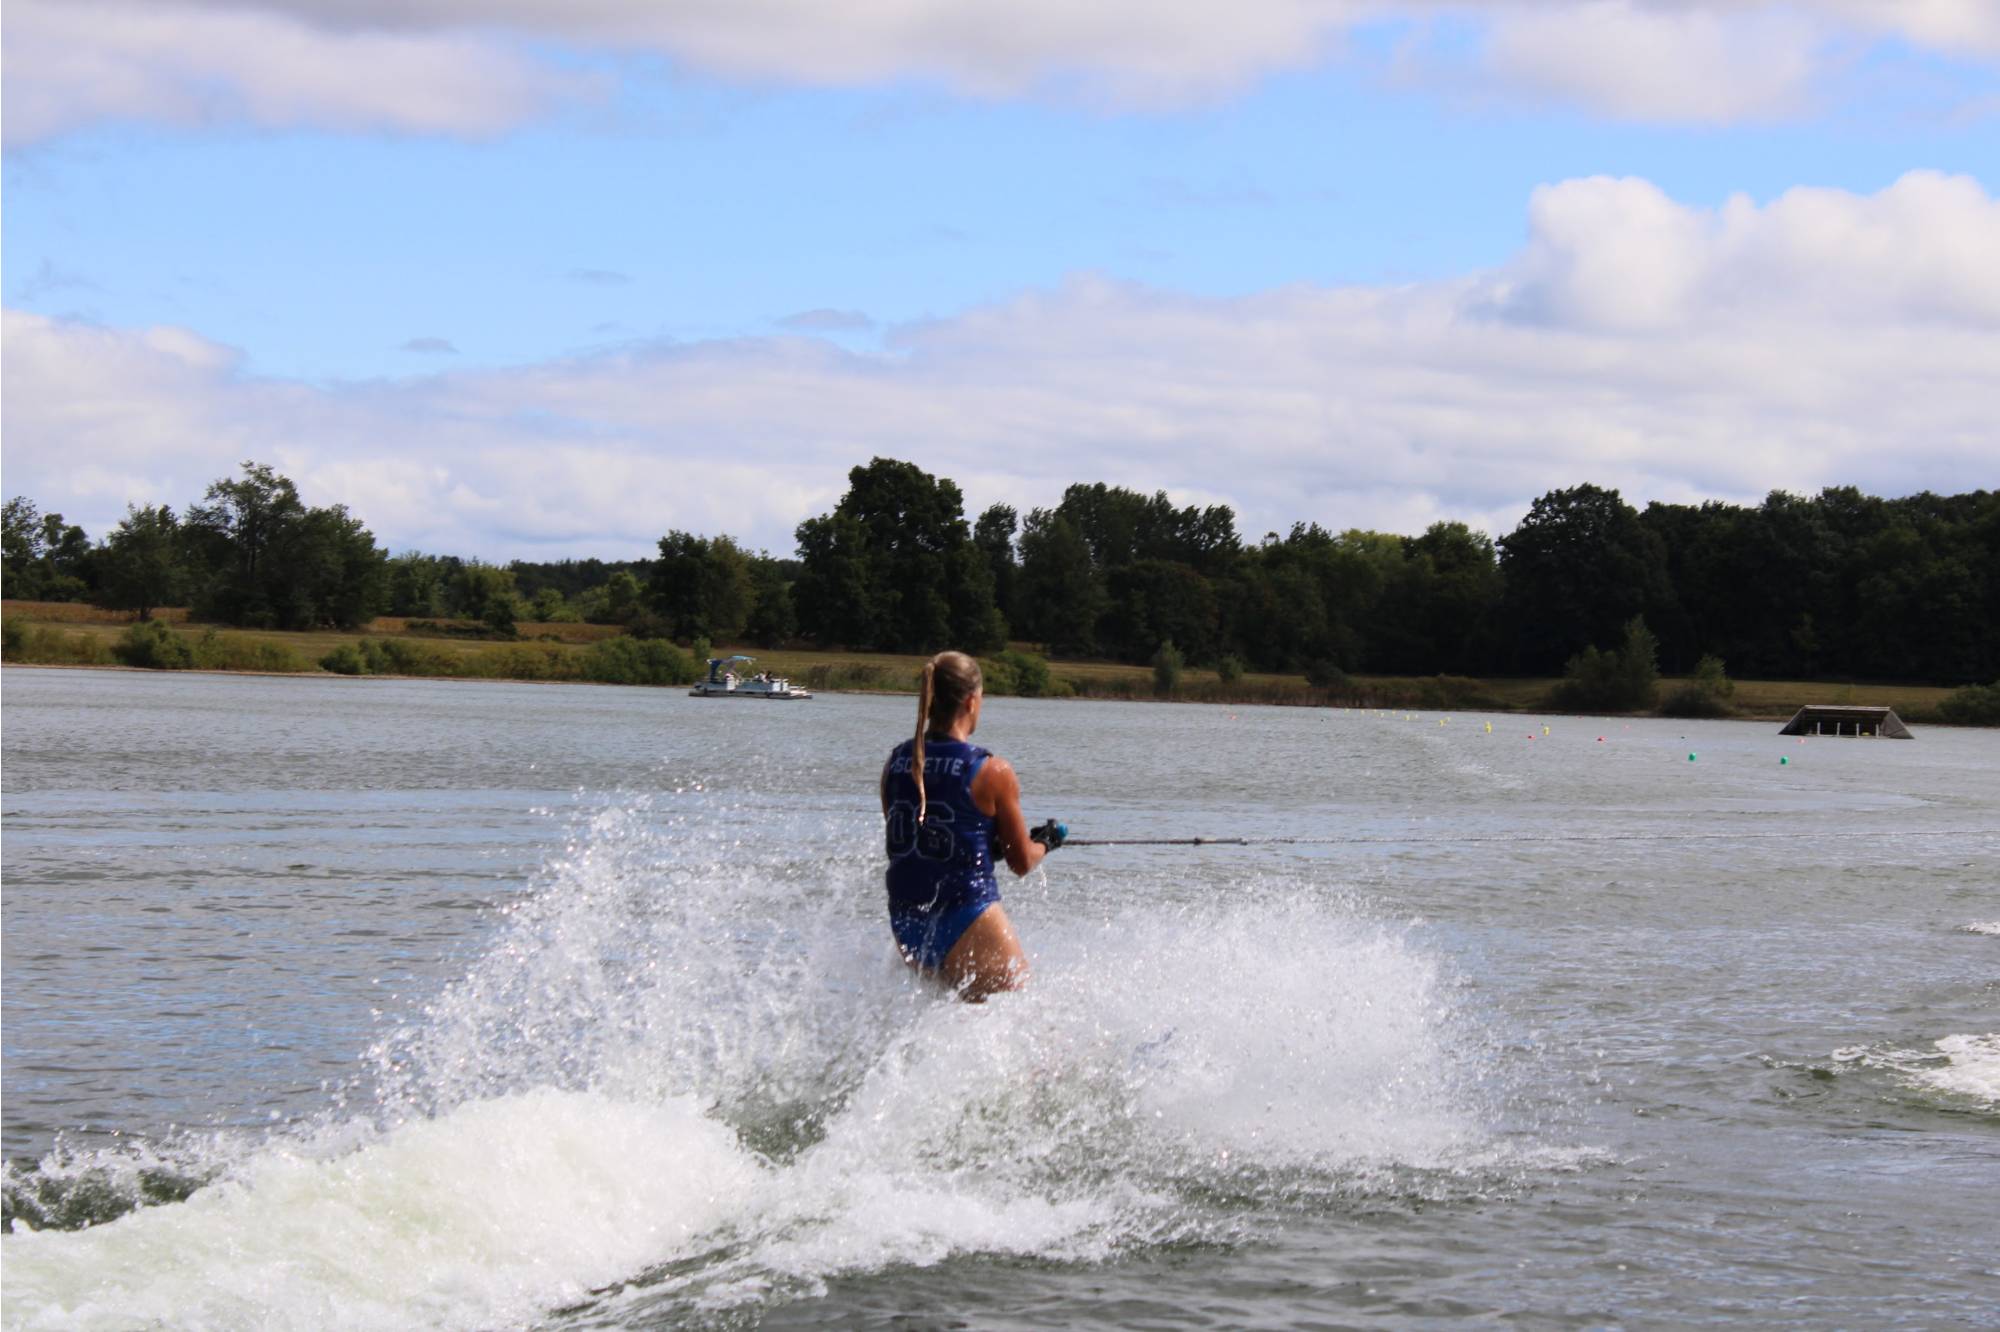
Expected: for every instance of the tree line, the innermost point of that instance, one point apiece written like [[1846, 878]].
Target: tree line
[[1837, 584], [250, 552]]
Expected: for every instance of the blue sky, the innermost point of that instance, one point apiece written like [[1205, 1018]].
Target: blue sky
[[397, 310]]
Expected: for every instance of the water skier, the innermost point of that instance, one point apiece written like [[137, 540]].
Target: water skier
[[948, 806]]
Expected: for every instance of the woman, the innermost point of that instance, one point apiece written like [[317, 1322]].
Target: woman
[[949, 806]]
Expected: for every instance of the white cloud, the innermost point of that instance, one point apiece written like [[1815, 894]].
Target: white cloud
[[824, 320], [1965, 27], [462, 67], [1675, 352], [77, 62], [1619, 254], [1141, 51], [1685, 63]]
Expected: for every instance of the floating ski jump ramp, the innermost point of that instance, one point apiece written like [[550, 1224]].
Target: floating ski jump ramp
[[1818, 719]]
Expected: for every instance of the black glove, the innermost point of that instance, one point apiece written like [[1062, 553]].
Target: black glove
[[1050, 834]]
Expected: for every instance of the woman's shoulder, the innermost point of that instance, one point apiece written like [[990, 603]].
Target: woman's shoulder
[[993, 768]]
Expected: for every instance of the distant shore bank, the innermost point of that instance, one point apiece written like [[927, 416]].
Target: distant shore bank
[[63, 636]]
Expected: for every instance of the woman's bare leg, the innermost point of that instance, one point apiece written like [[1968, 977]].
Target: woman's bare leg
[[986, 959]]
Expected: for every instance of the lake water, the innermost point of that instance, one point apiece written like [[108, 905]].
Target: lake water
[[390, 1004]]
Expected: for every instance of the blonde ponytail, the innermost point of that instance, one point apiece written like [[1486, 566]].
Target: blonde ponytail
[[917, 745], [950, 681]]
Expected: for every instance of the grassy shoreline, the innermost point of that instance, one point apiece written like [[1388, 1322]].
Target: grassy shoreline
[[68, 635]]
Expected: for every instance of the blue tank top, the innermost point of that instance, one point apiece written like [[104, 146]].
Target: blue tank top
[[947, 861]]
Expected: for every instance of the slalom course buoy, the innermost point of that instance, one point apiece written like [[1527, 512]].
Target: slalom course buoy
[[1690, 757], [1784, 761]]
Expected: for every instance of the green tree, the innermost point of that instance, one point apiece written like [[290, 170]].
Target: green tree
[[419, 585], [261, 557], [973, 613], [1277, 617], [549, 606], [21, 550], [773, 620], [326, 571], [69, 560], [232, 534], [623, 596], [836, 588], [893, 566], [1122, 527], [1579, 565], [42, 557], [1061, 596], [993, 534], [141, 564], [1457, 598], [485, 592], [1155, 601], [702, 586]]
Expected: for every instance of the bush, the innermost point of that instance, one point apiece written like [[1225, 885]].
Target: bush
[[347, 659], [1592, 682], [442, 629], [849, 675], [1706, 694], [392, 656], [388, 656], [643, 661], [501, 614], [261, 657], [1692, 702], [1621, 681], [1167, 666], [48, 646], [218, 652], [1016, 672], [548, 607], [1450, 693], [649, 625], [152, 645], [82, 649], [550, 662], [1974, 705], [1229, 670], [1325, 674], [1710, 675]]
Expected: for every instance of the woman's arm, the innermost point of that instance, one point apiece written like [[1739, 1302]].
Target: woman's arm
[[997, 792]]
